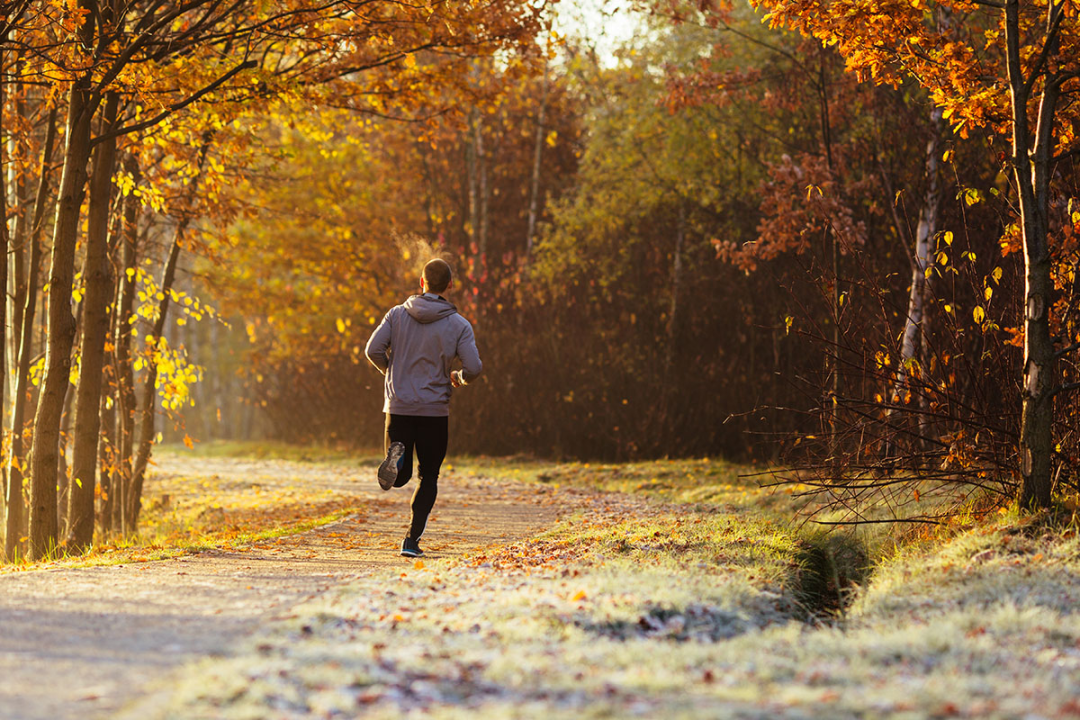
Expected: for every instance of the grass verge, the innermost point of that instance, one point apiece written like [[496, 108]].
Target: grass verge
[[204, 506], [686, 610]]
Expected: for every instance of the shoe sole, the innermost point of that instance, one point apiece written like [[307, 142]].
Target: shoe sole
[[388, 471], [412, 554]]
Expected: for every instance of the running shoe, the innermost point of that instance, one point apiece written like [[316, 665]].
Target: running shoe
[[388, 471], [411, 548]]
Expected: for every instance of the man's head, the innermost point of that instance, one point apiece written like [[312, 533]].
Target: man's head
[[437, 276]]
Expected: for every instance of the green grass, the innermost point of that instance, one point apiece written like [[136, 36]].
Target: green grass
[[705, 480], [267, 450]]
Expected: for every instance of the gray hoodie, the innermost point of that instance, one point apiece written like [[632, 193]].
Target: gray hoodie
[[414, 346]]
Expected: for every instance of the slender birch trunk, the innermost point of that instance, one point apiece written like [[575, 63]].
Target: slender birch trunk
[[924, 234], [1031, 163], [482, 180], [538, 151]]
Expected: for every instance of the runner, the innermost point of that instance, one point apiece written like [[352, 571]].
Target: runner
[[414, 347]]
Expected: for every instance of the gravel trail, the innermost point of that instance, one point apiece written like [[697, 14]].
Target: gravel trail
[[83, 643]]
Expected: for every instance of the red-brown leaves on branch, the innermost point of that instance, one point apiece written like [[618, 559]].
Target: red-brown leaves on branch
[[800, 201], [709, 87]]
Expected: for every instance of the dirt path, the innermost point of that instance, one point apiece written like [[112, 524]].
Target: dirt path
[[84, 642]]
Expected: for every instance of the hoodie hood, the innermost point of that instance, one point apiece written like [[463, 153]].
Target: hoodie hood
[[429, 308]]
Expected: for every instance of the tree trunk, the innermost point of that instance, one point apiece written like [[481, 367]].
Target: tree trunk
[[5, 247], [676, 281], [482, 180], [15, 518], [472, 165], [924, 234], [146, 422], [95, 328], [1032, 172], [538, 150], [125, 377], [18, 162], [61, 325], [63, 475], [133, 502], [107, 451], [834, 253]]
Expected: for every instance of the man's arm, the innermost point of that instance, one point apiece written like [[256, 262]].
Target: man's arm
[[378, 344], [470, 356]]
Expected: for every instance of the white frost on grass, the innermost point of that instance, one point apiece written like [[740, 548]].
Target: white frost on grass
[[695, 624]]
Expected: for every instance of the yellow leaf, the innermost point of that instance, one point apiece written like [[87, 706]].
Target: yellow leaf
[[579, 595], [419, 564], [979, 314], [340, 325]]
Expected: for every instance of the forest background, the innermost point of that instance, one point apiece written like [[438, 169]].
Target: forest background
[[801, 239]]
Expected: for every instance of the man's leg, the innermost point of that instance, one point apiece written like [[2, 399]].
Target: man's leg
[[400, 428], [431, 438]]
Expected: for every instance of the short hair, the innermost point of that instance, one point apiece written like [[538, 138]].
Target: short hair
[[437, 275]]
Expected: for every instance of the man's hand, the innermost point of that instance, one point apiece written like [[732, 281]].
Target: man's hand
[[455, 378]]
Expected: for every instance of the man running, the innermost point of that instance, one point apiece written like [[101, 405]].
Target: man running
[[414, 346]]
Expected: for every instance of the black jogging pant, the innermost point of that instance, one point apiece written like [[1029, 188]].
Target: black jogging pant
[[428, 435]]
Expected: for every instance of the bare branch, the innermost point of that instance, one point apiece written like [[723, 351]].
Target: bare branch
[[1066, 350], [1068, 387], [1057, 13]]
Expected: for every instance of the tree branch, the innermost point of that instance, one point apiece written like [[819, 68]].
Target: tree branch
[[1066, 388], [1066, 350], [867, 521], [135, 127], [1053, 25]]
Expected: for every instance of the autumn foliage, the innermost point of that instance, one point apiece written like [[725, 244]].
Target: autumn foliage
[[843, 230], [127, 122]]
